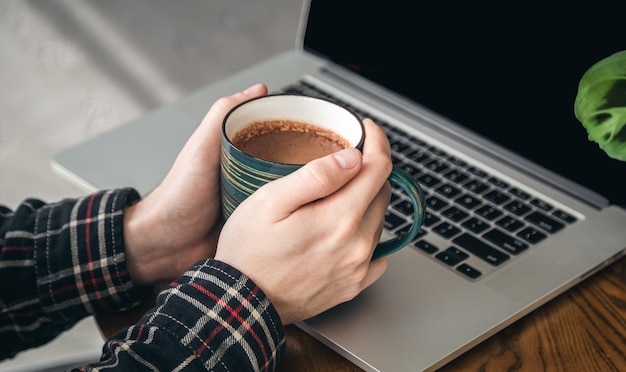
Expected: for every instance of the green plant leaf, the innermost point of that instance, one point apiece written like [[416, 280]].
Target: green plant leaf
[[601, 104]]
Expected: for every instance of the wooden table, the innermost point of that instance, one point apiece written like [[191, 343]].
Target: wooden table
[[583, 329]]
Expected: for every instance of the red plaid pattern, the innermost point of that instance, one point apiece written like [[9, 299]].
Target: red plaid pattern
[[62, 262]]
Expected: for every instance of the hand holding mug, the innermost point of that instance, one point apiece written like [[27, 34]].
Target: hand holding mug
[[177, 223], [307, 239], [269, 137], [306, 234]]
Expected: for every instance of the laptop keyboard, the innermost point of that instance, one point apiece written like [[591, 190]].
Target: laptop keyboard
[[475, 222]]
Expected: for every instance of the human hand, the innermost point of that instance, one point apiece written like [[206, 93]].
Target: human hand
[[178, 222], [307, 239]]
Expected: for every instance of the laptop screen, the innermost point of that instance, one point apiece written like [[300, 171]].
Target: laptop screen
[[509, 72]]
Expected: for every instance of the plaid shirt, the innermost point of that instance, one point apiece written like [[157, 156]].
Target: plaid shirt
[[62, 262]]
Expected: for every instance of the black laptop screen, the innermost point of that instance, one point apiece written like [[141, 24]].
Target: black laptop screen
[[509, 72]]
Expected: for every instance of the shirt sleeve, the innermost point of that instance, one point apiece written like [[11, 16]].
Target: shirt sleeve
[[60, 263], [213, 318], [64, 261]]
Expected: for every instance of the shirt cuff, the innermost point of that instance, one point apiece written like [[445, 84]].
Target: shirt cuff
[[222, 317], [79, 256]]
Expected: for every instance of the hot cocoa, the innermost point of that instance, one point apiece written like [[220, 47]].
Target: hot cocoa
[[287, 141]]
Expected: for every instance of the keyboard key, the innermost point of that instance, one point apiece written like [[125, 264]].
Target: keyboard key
[[426, 246], [417, 142], [532, 235], [399, 147], [509, 223], [430, 219], [434, 203], [562, 215], [446, 230], [392, 220], [419, 157], [475, 225], [496, 197], [468, 201], [456, 176], [468, 271], [428, 181], [448, 190], [454, 214], [437, 151], [405, 207], [413, 171], [488, 212], [403, 231], [476, 187], [497, 182], [544, 222], [519, 193], [457, 252], [541, 204], [398, 132], [451, 256], [477, 172], [517, 207], [436, 166], [505, 241], [456, 161], [480, 249]]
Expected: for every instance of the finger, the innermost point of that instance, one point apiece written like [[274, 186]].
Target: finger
[[356, 197], [374, 217], [207, 135], [200, 155], [315, 180], [376, 150], [221, 107], [377, 137]]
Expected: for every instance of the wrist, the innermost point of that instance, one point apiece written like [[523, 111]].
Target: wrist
[[141, 255]]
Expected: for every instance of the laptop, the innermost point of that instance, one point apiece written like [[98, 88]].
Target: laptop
[[477, 102]]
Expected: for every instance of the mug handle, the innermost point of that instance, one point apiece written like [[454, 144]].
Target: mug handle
[[415, 193]]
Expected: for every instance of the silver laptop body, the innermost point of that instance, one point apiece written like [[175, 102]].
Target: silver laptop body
[[423, 312]]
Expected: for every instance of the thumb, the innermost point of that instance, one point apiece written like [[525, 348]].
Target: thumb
[[315, 180], [207, 135]]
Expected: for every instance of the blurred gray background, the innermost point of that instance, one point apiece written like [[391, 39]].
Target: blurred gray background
[[72, 69]]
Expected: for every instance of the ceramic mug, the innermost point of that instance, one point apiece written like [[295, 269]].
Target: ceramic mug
[[242, 174]]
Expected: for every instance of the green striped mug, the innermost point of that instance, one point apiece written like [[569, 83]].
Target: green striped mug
[[242, 173]]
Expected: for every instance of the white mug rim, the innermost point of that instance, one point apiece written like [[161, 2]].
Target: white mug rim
[[281, 107]]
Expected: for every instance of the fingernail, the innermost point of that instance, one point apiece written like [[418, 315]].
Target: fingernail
[[347, 158]]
